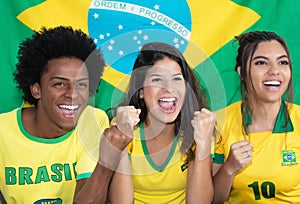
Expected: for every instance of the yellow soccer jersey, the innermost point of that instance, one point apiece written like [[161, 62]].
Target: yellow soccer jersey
[[153, 184], [37, 170], [273, 176]]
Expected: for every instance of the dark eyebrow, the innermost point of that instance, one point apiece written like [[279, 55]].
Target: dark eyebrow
[[159, 75], [155, 75], [66, 79], [83, 79], [178, 74], [280, 57], [257, 57]]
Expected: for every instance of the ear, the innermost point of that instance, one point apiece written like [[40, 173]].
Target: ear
[[35, 90], [238, 69], [141, 94]]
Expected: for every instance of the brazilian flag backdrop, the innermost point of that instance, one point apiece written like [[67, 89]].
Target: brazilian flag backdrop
[[202, 30]]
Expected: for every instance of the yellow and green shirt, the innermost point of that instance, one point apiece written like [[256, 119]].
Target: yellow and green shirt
[[38, 170], [273, 176], [154, 184]]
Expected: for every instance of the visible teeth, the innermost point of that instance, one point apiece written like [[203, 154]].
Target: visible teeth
[[69, 107], [272, 83], [168, 99]]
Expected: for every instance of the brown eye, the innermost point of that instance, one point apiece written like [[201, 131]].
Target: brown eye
[[177, 79], [284, 62], [82, 85], [59, 84], [155, 79], [260, 62]]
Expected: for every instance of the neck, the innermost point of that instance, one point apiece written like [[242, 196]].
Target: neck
[[159, 139], [158, 131], [36, 125], [263, 116]]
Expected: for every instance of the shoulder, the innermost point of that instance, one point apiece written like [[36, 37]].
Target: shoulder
[[229, 113], [293, 106], [10, 126], [230, 109], [294, 111], [136, 143], [92, 119], [92, 113], [11, 115]]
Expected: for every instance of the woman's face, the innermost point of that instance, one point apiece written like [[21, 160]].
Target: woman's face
[[164, 91], [270, 72]]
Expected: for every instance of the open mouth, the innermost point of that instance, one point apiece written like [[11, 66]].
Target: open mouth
[[273, 83], [168, 104], [68, 110]]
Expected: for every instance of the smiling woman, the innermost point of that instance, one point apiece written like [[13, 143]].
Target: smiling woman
[[259, 149], [164, 86], [172, 131]]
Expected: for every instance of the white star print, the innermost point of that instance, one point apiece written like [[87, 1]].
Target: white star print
[[120, 27], [110, 47], [101, 36], [146, 37], [96, 15]]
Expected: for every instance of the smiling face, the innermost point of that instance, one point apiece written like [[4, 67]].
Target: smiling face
[[269, 72], [164, 91], [63, 92]]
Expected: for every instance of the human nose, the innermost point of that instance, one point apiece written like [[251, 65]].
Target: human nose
[[274, 69], [167, 85], [71, 91]]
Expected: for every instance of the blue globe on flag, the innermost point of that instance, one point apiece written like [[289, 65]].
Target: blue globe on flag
[[120, 29]]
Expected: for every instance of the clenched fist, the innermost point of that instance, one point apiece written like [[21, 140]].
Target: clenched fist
[[126, 118], [203, 123], [239, 156], [112, 143]]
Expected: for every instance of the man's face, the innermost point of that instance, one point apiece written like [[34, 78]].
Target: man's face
[[63, 92]]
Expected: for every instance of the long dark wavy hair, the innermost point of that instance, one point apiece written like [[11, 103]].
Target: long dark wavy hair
[[195, 98], [54, 43], [248, 43]]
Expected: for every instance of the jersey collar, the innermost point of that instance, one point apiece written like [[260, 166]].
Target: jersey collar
[[280, 124]]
